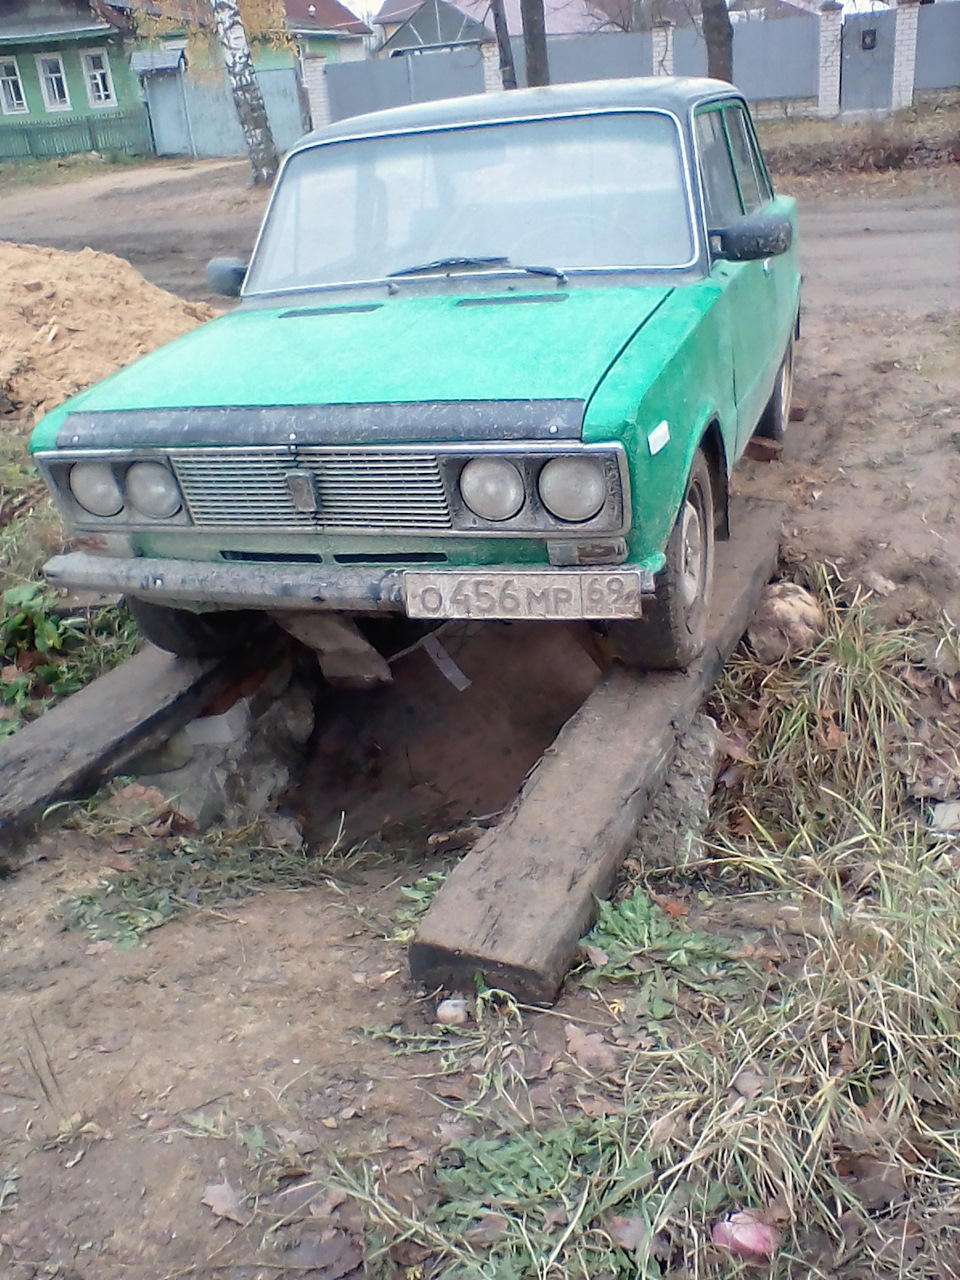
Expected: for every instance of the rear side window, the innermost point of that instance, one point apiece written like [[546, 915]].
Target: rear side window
[[749, 170], [720, 190]]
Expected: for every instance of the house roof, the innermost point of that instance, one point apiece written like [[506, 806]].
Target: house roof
[[435, 25], [52, 28], [562, 17], [309, 16]]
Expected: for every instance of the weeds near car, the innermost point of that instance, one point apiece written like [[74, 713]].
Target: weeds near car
[[169, 876], [791, 1047]]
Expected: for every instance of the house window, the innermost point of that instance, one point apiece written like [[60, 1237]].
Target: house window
[[12, 98], [53, 82], [96, 71]]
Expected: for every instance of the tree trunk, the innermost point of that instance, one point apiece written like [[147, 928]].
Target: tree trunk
[[718, 33], [535, 42], [246, 92], [508, 72]]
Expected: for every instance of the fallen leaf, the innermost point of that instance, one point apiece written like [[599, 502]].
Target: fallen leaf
[[119, 862], [847, 1060], [10, 673], [491, 1227], [416, 1160], [598, 1108], [225, 1202], [627, 1233], [333, 1255], [595, 956], [325, 1206], [454, 1131], [556, 1216], [735, 746], [589, 1049], [455, 1090], [749, 1084], [673, 907]]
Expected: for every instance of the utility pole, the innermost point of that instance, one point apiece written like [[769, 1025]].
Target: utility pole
[[508, 72]]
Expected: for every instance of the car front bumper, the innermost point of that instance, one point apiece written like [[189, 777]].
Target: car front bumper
[[204, 585]]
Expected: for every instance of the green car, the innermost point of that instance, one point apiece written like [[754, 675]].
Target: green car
[[494, 357]]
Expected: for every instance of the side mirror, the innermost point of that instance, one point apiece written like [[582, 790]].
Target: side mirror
[[759, 235], [225, 276]]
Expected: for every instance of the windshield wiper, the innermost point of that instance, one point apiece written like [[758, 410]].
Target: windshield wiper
[[442, 264]]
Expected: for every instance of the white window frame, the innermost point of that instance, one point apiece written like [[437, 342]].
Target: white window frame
[[13, 111], [48, 105], [96, 103]]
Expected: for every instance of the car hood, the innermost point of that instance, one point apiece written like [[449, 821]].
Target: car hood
[[510, 346]]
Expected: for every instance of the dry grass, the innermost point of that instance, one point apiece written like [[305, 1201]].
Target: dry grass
[[806, 1067]]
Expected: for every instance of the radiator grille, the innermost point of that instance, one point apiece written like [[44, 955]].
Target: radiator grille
[[357, 489]]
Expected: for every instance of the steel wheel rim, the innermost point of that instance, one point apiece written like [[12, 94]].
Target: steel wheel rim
[[692, 553]]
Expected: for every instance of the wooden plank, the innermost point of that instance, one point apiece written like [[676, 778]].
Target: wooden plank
[[515, 908], [73, 748]]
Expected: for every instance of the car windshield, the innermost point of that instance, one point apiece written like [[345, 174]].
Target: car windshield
[[575, 192]]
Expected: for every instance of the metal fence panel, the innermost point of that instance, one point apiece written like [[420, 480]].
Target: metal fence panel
[[777, 59], [866, 65], [444, 73], [607, 55], [938, 47], [358, 87], [689, 52]]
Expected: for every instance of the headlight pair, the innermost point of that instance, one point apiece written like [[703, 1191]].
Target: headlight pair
[[572, 489], [149, 487]]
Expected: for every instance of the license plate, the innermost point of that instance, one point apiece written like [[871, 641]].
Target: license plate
[[575, 593]]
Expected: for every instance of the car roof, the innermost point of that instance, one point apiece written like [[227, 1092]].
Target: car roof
[[676, 94]]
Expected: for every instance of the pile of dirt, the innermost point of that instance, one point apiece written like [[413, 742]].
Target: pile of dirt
[[69, 319]]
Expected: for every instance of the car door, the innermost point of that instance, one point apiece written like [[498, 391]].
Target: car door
[[734, 185]]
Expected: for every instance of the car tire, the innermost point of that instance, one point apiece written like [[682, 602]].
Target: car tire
[[673, 630], [195, 635], [776, 416]]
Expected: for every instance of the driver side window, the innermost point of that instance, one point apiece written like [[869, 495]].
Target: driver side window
[[720, 192]]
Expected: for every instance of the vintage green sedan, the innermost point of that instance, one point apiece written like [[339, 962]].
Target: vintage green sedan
[[494, 358]]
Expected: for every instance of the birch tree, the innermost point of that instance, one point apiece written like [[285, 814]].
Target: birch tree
[[217, 31], [245, 88]]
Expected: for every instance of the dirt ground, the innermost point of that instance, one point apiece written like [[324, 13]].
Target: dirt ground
[[229, 1049]]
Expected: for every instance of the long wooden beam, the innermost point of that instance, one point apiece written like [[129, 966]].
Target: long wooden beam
[[72, 749], [515, 908]]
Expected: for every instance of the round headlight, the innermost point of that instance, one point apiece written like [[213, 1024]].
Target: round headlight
[[573, 488], [95, 487], [492, 488], [152, 490]]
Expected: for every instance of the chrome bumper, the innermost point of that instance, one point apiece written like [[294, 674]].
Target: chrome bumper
[[233, 586]]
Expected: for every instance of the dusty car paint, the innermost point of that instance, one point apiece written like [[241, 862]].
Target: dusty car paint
[[657, 360]]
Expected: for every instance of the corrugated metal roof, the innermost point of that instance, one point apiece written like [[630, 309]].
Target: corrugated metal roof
[[145, 61], [40, 30], [437, 24]]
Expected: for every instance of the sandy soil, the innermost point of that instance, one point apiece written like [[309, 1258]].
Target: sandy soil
[[130, 1081]]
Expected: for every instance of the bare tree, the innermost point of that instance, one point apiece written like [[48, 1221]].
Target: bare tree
[[247, 97], [718, 34], [535, 41]]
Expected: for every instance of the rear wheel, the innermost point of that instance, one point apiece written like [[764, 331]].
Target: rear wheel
[[776, 416], [195, 635], [673, 630]]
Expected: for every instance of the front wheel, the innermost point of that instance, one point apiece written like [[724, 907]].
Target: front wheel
[[673, 630], [195, 635]]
